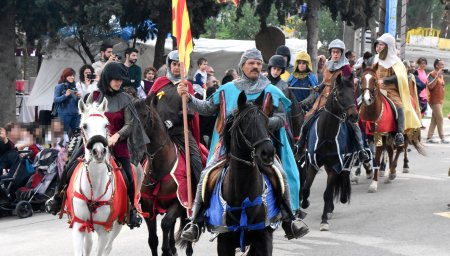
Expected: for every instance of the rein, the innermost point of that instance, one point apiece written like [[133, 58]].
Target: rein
[[251, 146]]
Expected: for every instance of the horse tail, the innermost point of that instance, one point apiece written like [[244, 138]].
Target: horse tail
[[343, 188], [419, 147], [178, 240]]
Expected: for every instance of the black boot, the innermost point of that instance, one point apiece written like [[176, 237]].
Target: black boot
[[193, 230], [399, 140], [134, 219], [291, 228], [362, 154]]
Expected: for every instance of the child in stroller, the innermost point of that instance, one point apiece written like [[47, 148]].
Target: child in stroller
[[41, 185]]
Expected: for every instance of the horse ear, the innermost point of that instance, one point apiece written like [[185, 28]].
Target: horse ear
[[81, 106], [90, 99], [151, 100], [260, 100], [363, 66], [242, 100], [103, 106]]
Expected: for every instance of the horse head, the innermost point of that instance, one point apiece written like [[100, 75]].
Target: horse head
[[369, 86], [247, 134], [94, 129], [343, 99]]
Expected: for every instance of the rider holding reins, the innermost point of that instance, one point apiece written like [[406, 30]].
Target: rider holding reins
[[336, 65]]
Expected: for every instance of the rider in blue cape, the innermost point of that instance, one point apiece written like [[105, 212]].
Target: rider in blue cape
[[222, 103]]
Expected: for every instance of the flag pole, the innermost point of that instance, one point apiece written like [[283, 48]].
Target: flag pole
[[186, 140]]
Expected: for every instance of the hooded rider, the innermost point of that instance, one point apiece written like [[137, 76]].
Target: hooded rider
[[170, 109], [393, 78], [336, 65], [127, 138], [284, 51], [304, 79], [224, 100]]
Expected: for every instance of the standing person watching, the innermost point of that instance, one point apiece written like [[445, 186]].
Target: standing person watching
[[134, 71], [147, 82], [106, 56], [437, 92], [66, 97], [421, 81], [87, 84]]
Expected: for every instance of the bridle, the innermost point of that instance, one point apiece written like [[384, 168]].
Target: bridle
[[89, 143], [343, 117], [252, 146], [372, 91]]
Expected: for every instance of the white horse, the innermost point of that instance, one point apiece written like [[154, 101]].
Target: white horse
[[97, 200]]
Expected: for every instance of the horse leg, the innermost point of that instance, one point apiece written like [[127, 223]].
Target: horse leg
[[173, 249], [392, 164], [78, 238], [147, 206], [225, 244], [167, 224], [262, 242], [382, 163], [87, 243], [328, 198], [376, 167], [106, 239], [306, 189], [405, 158]]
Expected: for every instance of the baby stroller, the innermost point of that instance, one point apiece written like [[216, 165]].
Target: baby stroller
[[9, 185], [40, 186]]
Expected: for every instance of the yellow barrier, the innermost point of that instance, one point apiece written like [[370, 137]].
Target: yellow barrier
[[444, 44], [426, 32]]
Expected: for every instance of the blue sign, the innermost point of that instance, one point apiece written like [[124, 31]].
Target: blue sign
[[390, 25]]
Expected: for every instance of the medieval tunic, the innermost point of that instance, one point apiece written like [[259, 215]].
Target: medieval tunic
[[389, 85]]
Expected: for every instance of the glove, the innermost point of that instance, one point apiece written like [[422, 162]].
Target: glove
[[168, 124]]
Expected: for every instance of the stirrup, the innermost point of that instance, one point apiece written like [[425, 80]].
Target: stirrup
[[188, 226], [302, 231], [135, 220]]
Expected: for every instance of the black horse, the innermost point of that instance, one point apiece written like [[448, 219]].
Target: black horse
[[340, 106], [250, 151]]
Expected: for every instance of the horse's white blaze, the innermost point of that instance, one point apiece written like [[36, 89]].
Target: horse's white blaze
[[366, 96]]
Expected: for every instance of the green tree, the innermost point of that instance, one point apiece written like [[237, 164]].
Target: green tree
[[228, 26], [418, 13]]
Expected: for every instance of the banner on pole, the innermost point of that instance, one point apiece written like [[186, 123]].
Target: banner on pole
[[390, 25], [181, 29]]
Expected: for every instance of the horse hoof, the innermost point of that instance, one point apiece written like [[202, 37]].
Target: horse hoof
[[354, 178], [381, 174], [392, 176], [324, 227], [387, 180], [405, 170], [329, 215], [373, 187]]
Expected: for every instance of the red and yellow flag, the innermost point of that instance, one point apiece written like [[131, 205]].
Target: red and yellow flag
[[181, 29], [235, 2]]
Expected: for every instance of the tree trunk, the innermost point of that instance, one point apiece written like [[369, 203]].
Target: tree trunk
[[382, 18], [312, 25], [85, 48], [164, 29], [7, 66], [403, 31]]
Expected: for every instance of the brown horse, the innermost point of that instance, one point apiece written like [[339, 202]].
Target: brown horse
[[159, 188], [371, 111]]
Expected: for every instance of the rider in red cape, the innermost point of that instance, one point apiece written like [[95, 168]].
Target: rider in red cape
[[170, 109], [127, 138]]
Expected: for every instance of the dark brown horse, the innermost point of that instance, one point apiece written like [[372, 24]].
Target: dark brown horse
[[372, 110], [323, 150], [158, 188], [250, 152]]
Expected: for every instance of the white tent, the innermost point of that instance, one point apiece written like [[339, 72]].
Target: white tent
[[221, 55]]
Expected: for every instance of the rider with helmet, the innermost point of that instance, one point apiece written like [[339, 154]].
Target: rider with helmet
[[303, 81], [336, 65], [127, 138], [392, 77]]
